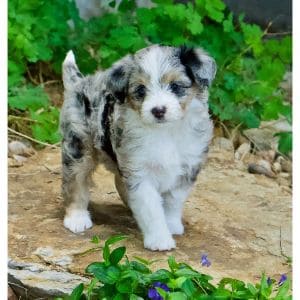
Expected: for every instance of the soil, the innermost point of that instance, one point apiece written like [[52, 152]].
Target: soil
[[241, 221]]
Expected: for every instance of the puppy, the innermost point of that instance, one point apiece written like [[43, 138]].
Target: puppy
[[146, 118]]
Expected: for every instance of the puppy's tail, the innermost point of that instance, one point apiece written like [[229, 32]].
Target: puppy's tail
[[71, 73]]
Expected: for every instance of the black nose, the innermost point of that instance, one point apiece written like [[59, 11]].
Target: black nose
[[159, 112]]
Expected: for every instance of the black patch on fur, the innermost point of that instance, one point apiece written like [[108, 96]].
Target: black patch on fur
[[66, 160], [84, 100], [194, 174], [79, 74], [105, 123], [120, 96], [119, 84], [177, 89], [190, 60], [140, 92], [203, 82], [76, 146], [118, 73]]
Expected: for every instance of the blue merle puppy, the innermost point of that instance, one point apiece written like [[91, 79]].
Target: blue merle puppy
[[146, 118]]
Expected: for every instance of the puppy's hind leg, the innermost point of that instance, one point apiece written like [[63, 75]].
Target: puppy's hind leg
[[78, 165]]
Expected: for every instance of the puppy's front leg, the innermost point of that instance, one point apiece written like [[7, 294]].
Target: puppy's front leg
[[173, 206], [146, 205]]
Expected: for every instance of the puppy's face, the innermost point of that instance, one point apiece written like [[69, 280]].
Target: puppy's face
[[159, 82]]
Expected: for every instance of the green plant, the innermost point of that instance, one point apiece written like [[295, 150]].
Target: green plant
[[37, 32], [250, 64], [117, 277]]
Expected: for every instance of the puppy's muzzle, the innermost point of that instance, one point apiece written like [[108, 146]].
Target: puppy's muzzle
[[159, 112]]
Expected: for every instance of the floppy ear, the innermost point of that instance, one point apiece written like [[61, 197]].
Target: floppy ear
[[71, 73], [199, 66], [118, 78]]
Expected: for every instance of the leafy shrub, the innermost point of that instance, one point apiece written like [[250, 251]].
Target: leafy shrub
[[250, 65], [118, 278], [37, 31]]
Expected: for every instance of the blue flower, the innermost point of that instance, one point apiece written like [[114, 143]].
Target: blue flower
[[269, 281], [282, 279], [205, 261], [153, 293], [161, 285]]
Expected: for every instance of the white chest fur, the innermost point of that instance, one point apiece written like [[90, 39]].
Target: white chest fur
[[162, 153]]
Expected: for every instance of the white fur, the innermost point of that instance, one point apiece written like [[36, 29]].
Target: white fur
[[157, 154], [78, 220]]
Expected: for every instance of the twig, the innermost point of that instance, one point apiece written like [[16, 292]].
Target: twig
[[31, 139], [51, 82], [226, 129], [40, 73], [31, 78], [19, 286], [22, 118], [51, 171], [91, 250], [279, 33], [23, 174]]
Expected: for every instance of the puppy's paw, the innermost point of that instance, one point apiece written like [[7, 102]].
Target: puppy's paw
[[176, 227], [159, 242], [78, 220]]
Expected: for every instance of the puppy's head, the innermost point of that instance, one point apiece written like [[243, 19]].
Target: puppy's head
[[159, 82]]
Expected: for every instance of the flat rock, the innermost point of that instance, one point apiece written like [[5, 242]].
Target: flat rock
[[242, 221]]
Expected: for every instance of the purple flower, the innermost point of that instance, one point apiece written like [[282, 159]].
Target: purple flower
[[153, 293], [282, 279], [161, 285], [269, 281], [205, 261]]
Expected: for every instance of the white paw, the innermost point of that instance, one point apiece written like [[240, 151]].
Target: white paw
[[175, 227], [159, 242], [78, 220]]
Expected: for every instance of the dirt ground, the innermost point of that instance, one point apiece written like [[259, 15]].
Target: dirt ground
[[241, 221]]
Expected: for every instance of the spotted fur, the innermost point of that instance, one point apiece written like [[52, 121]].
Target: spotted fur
[[146, 118]]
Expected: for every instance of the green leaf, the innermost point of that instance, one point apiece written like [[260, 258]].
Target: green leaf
[[188, 287], [119, 296], [77, 292], [172, 263], [46, 127], [125, 286], [187, 273], [194, 24], [31, 98], [107, 275], [252, 289], [116, 255], [177, 296], [106, 254], [114, 239], [160, 275], [95, 239], [142, 260], [135, 297], [139, 267], [249, 118], [285, 142], [228, 24], [91, 286]]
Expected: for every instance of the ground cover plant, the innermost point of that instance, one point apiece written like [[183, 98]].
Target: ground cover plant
[[250, 64], [118, 278]]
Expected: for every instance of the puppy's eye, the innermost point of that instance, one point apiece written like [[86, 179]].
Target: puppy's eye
[[140, 91], [177, 89]]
